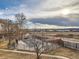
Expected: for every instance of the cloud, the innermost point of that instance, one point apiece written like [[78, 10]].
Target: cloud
[[32, 25], [45, 9], [55, 4], [58, 21]]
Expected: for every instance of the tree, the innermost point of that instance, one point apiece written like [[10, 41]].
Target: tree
[[39, 44], [20, 18], [9, 31]]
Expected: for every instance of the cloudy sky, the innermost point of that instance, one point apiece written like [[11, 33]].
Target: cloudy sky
[[43, 13]]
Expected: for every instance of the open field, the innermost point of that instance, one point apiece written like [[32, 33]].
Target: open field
[[58, 34], [8, 55], [12, 54], [76, 33], [3, 43], [66, 52]]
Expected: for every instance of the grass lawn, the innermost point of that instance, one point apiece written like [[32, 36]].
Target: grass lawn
[[3, 44], [72, 54], [9, 55], [15, 55]]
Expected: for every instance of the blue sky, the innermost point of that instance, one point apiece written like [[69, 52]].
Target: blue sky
[[9, 3], [45, 12]]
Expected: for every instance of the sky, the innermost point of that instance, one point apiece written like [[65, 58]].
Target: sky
[[43, 13]]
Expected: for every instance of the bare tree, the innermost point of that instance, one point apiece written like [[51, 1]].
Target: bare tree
[[40, 45], [20, 17], [9, 32]]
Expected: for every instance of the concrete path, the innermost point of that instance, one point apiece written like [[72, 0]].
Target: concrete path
[[15, 51]]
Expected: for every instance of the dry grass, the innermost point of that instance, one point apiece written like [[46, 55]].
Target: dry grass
[[3, 43], [72, 54], [11, 55]]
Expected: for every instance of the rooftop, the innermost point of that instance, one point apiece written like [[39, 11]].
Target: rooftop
[[70, 40]]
